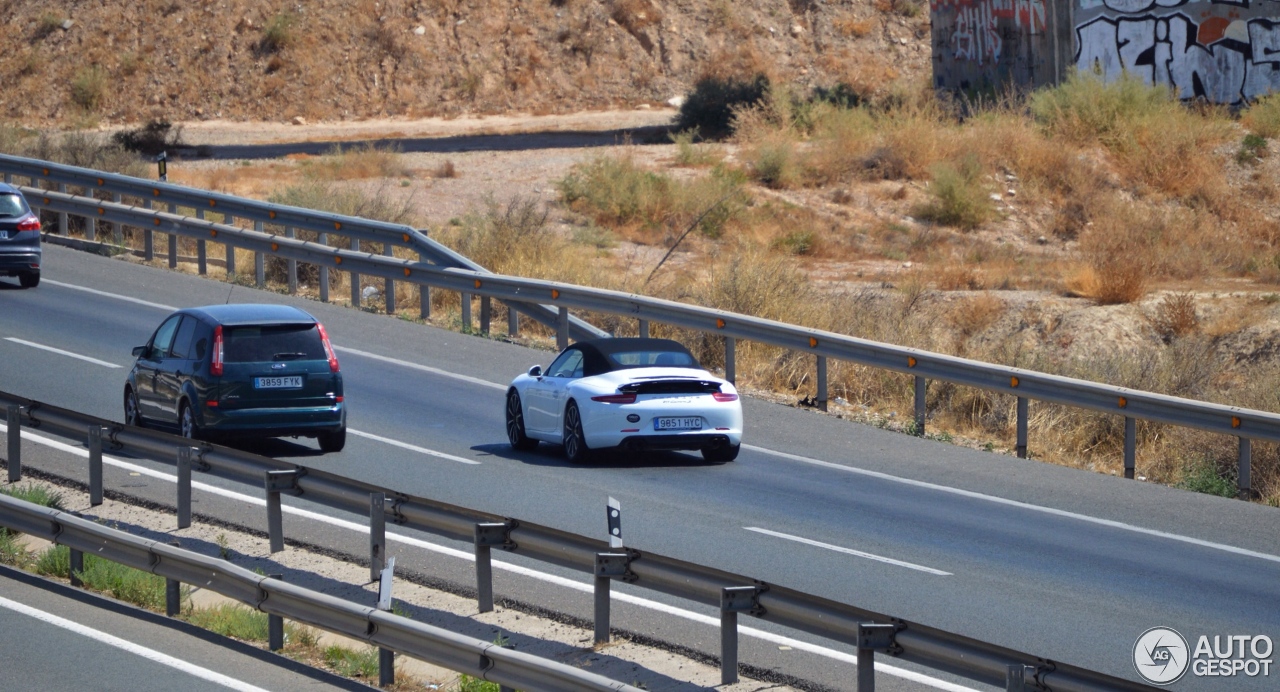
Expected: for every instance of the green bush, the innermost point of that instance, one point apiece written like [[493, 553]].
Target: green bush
[[1252, 148], [709, 108], [775, 164], [616, 190], [126, 583], [353, 664], [88, 86], [36, 495], [1263, 117], [1084, 108], [1203, 476], [150, 139], [11, 552], [958, 196], [54, 561], [279, 33]]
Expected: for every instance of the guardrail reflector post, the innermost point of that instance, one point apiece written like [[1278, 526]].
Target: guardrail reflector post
[[377, 534], [513, 321], [465, 303], [173, 241], [872, 637], [259, 262], [62, 215], [148, 239], [95, 465], [1022, 428], [324, 272], [921, 400], [1130, 445], [231, 250], [730, 360], [14, 420], [562, 328], [291, 266], [202, 260], [609, 566], [90, 229], [488, 535], [1016, 679], [733, 600], [184, 485], [275, 625], [1243, 481], [76, 567], [644, 329], [355, 278], [486, 313], [389, 283], [822, 383], [276, 483]]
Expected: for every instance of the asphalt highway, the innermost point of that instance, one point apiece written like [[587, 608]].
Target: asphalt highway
[[1061, 563]]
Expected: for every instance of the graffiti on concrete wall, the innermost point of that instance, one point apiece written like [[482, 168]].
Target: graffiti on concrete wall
[[977, 36], [1226, 52]]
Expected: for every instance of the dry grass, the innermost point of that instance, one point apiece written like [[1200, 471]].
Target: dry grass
[[353, 163], [1175, 316]]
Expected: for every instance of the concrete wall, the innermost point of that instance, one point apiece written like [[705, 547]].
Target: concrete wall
[[1227, 52]]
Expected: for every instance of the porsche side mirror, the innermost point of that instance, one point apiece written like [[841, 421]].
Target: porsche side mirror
[[138, 351], [535, 371]]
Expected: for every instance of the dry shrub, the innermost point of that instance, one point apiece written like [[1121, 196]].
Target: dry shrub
[[958, 277], [353, 163], [958, 196], [842, 146], [1263, 117], [972, 315], [514, 238], [635, 15], [918, 138], [1175, 316], [445, 170], [853, 27], [773, 161]]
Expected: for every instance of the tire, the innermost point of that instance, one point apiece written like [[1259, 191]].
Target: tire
[[722, 453], [29, 279], [132, 413], [187, 425], [515, 424], [575, 441], [332, 441]]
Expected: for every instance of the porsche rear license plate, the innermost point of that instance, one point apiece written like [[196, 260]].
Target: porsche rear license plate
[[688, 423], [291, 382]]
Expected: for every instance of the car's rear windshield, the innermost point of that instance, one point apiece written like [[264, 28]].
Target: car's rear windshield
[[646, 359], [11, 205], [272, 343]]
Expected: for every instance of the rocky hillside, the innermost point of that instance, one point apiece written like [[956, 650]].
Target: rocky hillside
[[123, 61]]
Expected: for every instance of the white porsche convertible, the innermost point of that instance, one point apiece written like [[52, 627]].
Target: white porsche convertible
[[636, 394]]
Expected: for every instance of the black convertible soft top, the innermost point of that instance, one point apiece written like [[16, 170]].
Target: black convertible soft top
[[606, 355]]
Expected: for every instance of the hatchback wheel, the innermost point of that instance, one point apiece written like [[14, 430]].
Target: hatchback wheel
[[332, 441], [515, 424], [575, 441], [187, 422], [132, 414]]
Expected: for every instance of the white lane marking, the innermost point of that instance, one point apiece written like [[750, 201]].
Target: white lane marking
[[1022, 505], [414, 448], [506, 566], [117, 296], [827, 464], [423, 368], [61, 352], [125, 645], [849, 551]]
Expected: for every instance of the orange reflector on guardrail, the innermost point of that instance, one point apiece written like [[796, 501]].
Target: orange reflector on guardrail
[[719, 323], [554, 294], [406, 271], [46, 171], [271, 214], [337, 260], [155, 191], [1123, 402], [101, 182], [477, 283], [156, 221], [337, 225], [1013, 382], [911, 362], [213, 233], [1235, 421], [813, 342], [405, 236], [275, 247], [101, 211], [47, 200]]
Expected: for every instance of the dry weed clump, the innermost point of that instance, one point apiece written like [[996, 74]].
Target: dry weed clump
[[1175, 316], [959, 196], [353, 163], [1263, 117]]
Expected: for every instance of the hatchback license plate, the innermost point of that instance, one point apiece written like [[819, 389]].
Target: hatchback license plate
[[692, 423], [4, 235], [291, 382]]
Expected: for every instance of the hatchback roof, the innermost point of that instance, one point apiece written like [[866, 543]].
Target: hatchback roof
[[253, 313], [7, 189]]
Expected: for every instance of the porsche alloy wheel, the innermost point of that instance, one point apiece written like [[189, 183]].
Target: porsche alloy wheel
[[515, 423], [575, 443]]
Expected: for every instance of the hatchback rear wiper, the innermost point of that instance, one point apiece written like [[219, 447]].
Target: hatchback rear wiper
[[288, 356]]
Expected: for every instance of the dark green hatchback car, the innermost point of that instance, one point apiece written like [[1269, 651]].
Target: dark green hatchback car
[[239, 371]]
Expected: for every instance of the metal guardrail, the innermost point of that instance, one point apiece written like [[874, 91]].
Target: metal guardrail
[[475, 657], [1025, 385], [823, 617], [172, 197]]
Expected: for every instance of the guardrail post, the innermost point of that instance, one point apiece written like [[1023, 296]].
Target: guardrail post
[[184, 485], [1243, 482], [486, 313], [172, 593], [386, 657], [1022, 428], [259, 261], [231, 250], [14, 432], [730, 360], [173, 241], [389, 284], [90, 228], [644, 329], [62, 215], [291, 266], [488, 535], [95, 465], [465, 303], [148, 238], [872, 638], [609, 566], [275, 625], [324, 272], [355, 278], [117, 231], [202, 260], [1130, 445], [513, 321], [424, 301], [76, 567], [822, 383], [922, 391], [733, 600], [562, 328], [377, 534], [278, 482]]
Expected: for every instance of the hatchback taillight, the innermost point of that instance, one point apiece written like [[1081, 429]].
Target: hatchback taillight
[[328, 348], [30, 222], [215, 364], [724, 396], [616, 398]]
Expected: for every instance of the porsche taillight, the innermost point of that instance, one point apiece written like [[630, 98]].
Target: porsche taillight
[[724, 396], [616, 398]]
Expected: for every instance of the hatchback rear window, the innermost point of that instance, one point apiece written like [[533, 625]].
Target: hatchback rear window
[[273, 343], [11, 205]]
